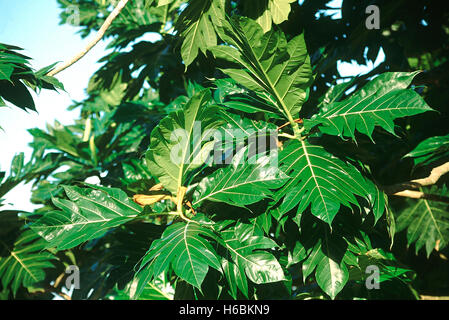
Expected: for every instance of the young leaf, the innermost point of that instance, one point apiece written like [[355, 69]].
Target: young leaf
[[266, 63], [180, 143]]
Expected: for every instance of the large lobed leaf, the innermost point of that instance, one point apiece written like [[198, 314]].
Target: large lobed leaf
[[181, 143], [244, 182], [26, 263], [184, 248], [197, 24], [426, 222], [326, 258], [266, 63], [321, 180], [378, 103], [88, 214]]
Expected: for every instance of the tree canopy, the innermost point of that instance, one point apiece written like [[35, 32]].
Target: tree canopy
[[234, 160]]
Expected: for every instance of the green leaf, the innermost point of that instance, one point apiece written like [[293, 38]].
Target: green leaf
[[430, 150], [180, 143], [51, 83], [88, 214], [279, 10], [196, 25], [365, 256], [426, 222], [391, 225], [244, 258], [326, 257], [158, 289], [183, 248], [161, 3], [235, 97], [298, 254], [335, 93], [389, 268], [37, 167], [240, 131], [262, 267], [267, 11], [321, 180], [244, 182], [266, 63], [236, 277], [380, 204], [378, 103], [18, 94], [6, 71], [62, 138], [26, 263]]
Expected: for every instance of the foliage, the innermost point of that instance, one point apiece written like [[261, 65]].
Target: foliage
[[16, 76], [256, 170]]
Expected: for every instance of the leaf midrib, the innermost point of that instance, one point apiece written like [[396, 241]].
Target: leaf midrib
[[314, 177]]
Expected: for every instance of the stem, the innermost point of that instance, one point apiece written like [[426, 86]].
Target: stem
[[180, 199], [93, 150], [403, 189], [297, 132], [91, 44], [286, 135], [87, 129]]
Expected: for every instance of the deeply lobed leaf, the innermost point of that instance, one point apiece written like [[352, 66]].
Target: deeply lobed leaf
[[266, 63], [88, 214], [378, 103], [321, 180], [26, 263]]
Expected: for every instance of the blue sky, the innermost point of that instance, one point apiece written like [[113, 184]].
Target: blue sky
[[34, 26]]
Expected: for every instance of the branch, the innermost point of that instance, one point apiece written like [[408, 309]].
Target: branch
[[94, 41], [403, 189], [421, 195]]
